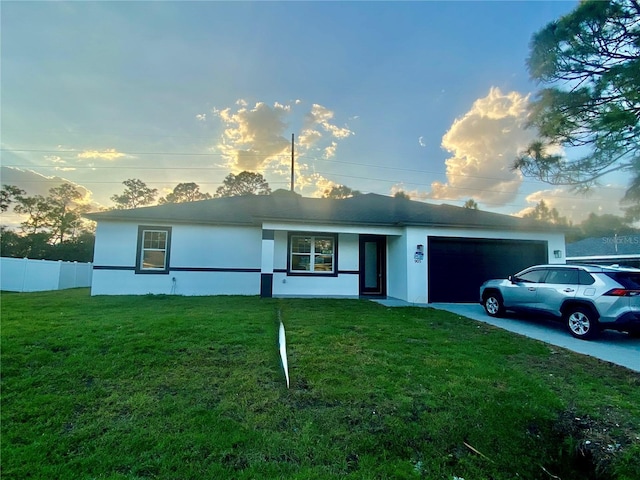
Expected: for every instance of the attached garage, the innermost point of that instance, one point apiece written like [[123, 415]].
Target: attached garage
[[457, 266]]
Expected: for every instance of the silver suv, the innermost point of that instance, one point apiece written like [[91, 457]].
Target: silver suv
[[587, 298]]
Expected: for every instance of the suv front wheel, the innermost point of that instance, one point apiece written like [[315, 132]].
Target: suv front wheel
[[493, 304], [582, 323]]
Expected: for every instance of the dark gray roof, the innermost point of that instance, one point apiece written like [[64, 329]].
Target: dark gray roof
[[598, 246], [369, 209]]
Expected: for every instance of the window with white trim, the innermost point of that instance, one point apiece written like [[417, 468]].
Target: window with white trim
[[153, 249], [312, 254]]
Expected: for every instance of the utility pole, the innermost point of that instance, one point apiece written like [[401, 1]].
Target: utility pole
[[292, 161]]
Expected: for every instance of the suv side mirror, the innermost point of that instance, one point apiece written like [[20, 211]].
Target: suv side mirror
[[510, 278]]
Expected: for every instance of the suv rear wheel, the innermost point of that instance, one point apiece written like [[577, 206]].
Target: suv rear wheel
[[493, 304], [581, 322]]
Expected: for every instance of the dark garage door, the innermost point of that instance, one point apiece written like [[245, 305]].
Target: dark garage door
[[458, 266]]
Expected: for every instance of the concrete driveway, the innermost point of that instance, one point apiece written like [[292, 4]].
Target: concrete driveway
[[610, 346]]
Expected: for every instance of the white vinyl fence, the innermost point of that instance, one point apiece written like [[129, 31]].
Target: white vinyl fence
[[25, 275]]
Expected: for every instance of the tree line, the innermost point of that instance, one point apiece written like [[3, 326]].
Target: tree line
[[54, 227]]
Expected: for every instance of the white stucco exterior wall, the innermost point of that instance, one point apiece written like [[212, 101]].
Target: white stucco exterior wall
[[343, 285], [201, 261], [416, 291], [397, 267]]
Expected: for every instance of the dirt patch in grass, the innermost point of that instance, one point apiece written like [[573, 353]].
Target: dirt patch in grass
[[593, 446]]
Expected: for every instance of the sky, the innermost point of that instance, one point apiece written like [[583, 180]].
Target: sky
[[425, 97]]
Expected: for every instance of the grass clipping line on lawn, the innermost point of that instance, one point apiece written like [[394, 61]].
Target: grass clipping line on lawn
[[168, 387]]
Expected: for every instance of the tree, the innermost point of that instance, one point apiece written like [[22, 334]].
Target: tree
[[8, 195], [54, 228], [471, 203], [32, 245], [59, 215], [589, 61], [402, 194], [185, 192], [65, 214], [137, 194], [339, 192], [544, 214], [605, 225], [245, 183], [77, 249], [37, 246], [37, 210]]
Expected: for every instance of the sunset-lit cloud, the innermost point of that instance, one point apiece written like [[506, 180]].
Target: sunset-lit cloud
[[315, 183], [35, 183], [330, 151], [484, 142], [414, 194], [577, 207], [256, 138], [309, 137], [59, 163], [322, 116], [252, 137], [109, 154]]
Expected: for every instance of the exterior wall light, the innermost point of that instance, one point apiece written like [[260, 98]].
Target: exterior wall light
[[557, 253]]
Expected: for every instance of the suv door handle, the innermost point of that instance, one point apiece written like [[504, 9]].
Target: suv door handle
[[568, 290], [532, 289]]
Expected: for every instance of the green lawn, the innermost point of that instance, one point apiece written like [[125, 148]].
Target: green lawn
[[192, 388]]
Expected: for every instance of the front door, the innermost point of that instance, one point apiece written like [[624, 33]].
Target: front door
[[373, 278]]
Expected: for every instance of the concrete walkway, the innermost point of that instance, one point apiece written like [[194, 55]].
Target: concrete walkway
[[613, 347]]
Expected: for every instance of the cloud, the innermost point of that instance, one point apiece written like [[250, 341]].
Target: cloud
[[605, 199], [35, 183], [59, 163], [483, 143], [413, 194], [109, 154], [309, 137], [201, 117], [421, 141], [322, 116], [254, 137], [330, 151]]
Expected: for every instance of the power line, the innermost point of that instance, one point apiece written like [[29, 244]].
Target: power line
[[330, 174], [338, 162], [193, 154]]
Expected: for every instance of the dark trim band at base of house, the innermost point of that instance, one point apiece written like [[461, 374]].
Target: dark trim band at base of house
[[224, 270], [111, 267], [182, 269], [266, 285], [212, 269], [340, 272]]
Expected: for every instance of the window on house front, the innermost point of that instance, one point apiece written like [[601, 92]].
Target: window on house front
[[153, 249], [312, 254]]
